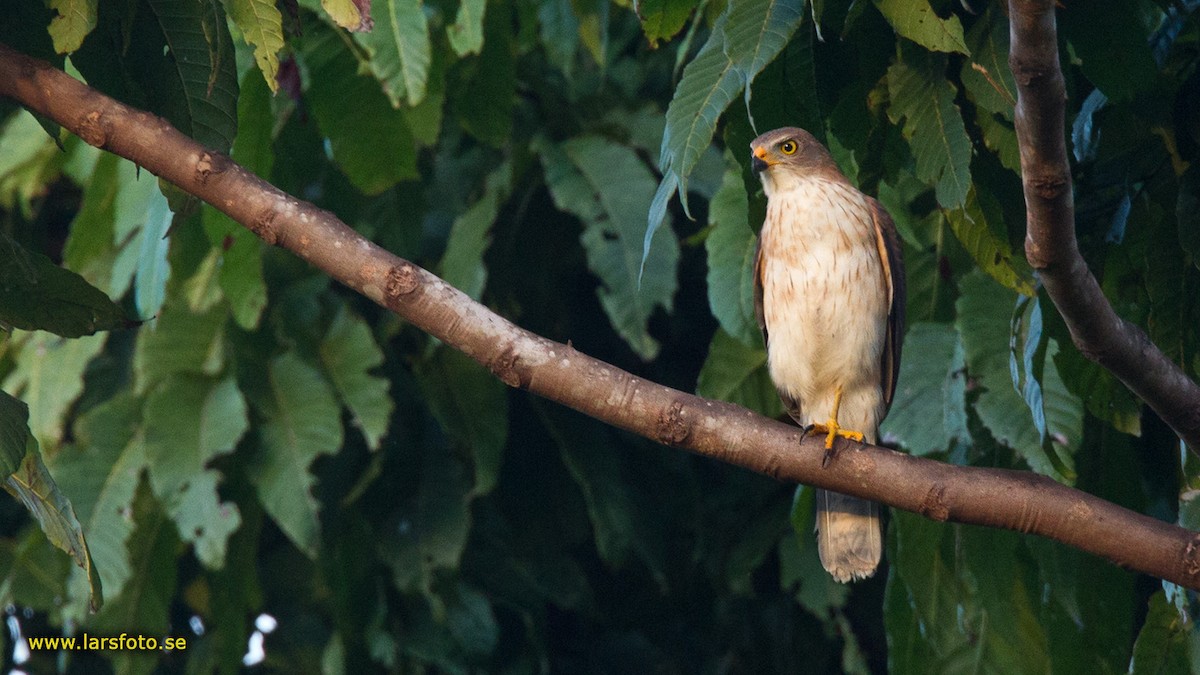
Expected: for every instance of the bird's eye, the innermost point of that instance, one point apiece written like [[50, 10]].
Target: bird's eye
[[788, 147]]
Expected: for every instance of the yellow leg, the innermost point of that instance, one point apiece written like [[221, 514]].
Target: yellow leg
[[831, 427]]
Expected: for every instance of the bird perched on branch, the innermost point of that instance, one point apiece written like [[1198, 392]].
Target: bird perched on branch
[[829, 295]]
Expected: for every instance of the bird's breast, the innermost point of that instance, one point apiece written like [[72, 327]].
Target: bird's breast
[[824, 294]]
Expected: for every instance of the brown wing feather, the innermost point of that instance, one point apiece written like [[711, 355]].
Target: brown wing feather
[[890, 255]]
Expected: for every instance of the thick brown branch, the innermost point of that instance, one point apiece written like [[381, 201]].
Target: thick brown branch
[[1050, 245], [1009, 499]]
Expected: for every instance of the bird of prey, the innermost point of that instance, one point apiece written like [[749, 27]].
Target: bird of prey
[[829, 296]]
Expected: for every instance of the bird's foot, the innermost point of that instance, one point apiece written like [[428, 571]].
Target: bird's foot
[[832, 430]]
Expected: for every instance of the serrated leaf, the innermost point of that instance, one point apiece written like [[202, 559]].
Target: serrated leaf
[[612, 503], [979, 227], [984, 311], [49, 377], [349, 353], [986, 76], [100, 474], [472, 406], [36, 294], [73, 21], [466, 33], [483, 94], [14, 432], [261, 25], [755, 34], [662, 19], [736, 373], [730, 247], [302, 422], [369, 139], [399, 49], [190, 420], [708, 86], [1164, 644], [928, 413], [199, 88], [923, 100], [470, 235], [144, 604], [621, 188], [180, 342], [33, 485], [433, 524], [916, 20]]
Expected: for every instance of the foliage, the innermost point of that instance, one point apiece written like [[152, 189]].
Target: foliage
[[244, 437]]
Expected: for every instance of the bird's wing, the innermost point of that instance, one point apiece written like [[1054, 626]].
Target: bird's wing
[[759, 313], [888, 243]]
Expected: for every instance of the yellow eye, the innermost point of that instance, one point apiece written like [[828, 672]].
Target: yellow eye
[[788, 147]]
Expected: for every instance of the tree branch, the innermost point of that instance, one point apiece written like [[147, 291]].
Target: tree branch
[[1014, 500], [1102, 336]]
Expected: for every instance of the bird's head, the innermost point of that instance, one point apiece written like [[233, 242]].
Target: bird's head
[[789, 153]]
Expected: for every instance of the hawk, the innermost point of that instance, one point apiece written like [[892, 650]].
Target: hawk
[[829, 297]]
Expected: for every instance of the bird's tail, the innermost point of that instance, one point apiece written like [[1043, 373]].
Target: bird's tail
[[849, 537]]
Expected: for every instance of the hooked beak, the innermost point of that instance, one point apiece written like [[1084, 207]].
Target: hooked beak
[[758, 160]]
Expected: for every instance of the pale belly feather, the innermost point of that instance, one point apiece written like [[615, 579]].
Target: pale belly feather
[[824, 300]]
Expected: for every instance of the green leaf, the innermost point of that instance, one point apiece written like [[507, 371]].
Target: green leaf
[[199, 88], [100, 474], [153, 269], [29, 160], [36, 294], [399, 49], [189, 420], [961, 600], [929, 411], [14, 433], [979, 226], [1112, 47], [470, 235], [49, 377], [706, 89], [33, 485], [73, 21], [916, 20], [756, 32], [466, 33], [736, 373], [144, 604], [663, 19], [180, 342], [349, 353], [370, 141], [730, 246], [984, 312], [472, 406], [348, 14], [433, 524], [302, 422], [611, 197], [1164, 644], [483, 89], [923, 100], [261, 25], [612, 504], [986, 76]]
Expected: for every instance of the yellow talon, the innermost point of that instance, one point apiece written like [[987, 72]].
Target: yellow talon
[[831, 427]]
